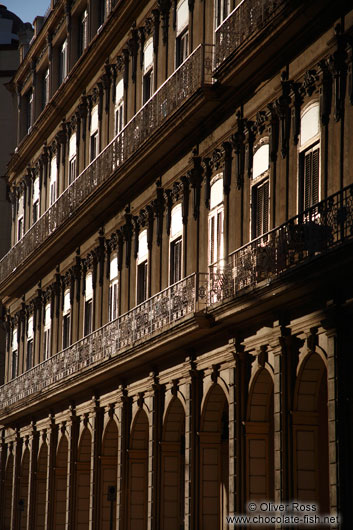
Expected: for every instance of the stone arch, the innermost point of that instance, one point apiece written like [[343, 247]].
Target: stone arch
[[173, 467], [83, 480], [260, 438], [8, 492], [310, 433], [41, 486], [23, 491], [214, 460], [60, 479], [138, 472], [108, 474]]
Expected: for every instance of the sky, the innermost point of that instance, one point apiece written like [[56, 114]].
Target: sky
[[27, 10]]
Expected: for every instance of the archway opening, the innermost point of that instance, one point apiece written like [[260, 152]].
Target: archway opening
[[41, 487], [61, 484], [214, 460], [83, 480], [108, 476], [138, 472], [23, 492], [8, 492]]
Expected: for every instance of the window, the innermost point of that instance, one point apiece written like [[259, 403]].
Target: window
[[147, 88], [223, 9], [67, 320], [175, 245], [182, 41], [63, 62], [260, 192], [20, 217], [102, 12], [35, 200], [29, 110], [53, 181], [119, 106], [94, 133], [72, 158], [47, 332], [29, 358], [215, 222], [14, 351], [45, 85], [113, 289], [88, 305], [83, 33], [309, 158], [142, 268]]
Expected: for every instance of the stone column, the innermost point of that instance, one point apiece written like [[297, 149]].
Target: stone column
[[3, 457], [124, 413], [96, 420], [16, 479], [33, 455], [52, 446], [72, 428]]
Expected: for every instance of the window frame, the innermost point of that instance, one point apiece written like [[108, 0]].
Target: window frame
[[215, 240], [66, 321], [113, 295], [258, 182], [311, 145], [174, 239], [47, 332], [142, 271], [148, 71], [88, 307]]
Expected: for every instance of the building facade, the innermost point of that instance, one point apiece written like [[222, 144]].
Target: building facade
[[177, 297]]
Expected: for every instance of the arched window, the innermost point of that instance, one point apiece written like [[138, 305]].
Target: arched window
[[142, 268], [309, 158], [113, 289], [260, 191], [215, 222], [175, 244], [182, 31]]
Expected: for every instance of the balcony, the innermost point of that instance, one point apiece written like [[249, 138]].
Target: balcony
[[161, 312], [247, 19], [192, 74], [304, 238]]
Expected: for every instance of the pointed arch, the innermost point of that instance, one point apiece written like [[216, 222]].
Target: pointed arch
[[8, 491], [23, 492], [108, 473], [259, 438], [41, 483], [214, 455], [83, 480], [138, 472], [173, 467], [61, 463], [310, 433]]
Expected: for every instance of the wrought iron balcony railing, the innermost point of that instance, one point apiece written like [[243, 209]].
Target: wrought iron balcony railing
[[146, 320], [313, 233], [247, 18], [192, 74]]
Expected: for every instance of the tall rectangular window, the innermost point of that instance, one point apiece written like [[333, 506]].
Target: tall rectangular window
[[142, 268], [35, 200], [45, 85], [63, 65], [47, 332], [20, 217], [67, 320], [72, 158], [83, 32], [113, 289], [88, 313], [260, 206], [29, 110], [53, 181], [215, 223], [175, 245], [94, 147], [14, 354], [182, 30], [119, 106], [147, 80], [223, 9], [29, 356], [309, 157]]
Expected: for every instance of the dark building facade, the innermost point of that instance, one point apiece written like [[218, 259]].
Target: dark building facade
[[177, 298]]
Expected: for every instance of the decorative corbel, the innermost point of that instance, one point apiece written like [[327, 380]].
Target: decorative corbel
[[169, 201], [142, 38], [296, 109], [127, 228], [164, 8], [82, 111], [125, 53], [136, 224], [325, 92], [227, 173], [339, 71], [249, 147], [120, 247], [133, 49], [159, 209], [150, 219], [156, 21], [207, 163], [282, 106], [185, 205], [273, 130], [77, 274]]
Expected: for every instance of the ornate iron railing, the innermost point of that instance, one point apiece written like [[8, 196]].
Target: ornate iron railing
[[146, 320], [313, 233], [193, 73], [247, 18]]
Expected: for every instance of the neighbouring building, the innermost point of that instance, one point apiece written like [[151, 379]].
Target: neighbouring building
[[178, 296]]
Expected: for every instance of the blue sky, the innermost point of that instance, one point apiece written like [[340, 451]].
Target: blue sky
[[27, 10]]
